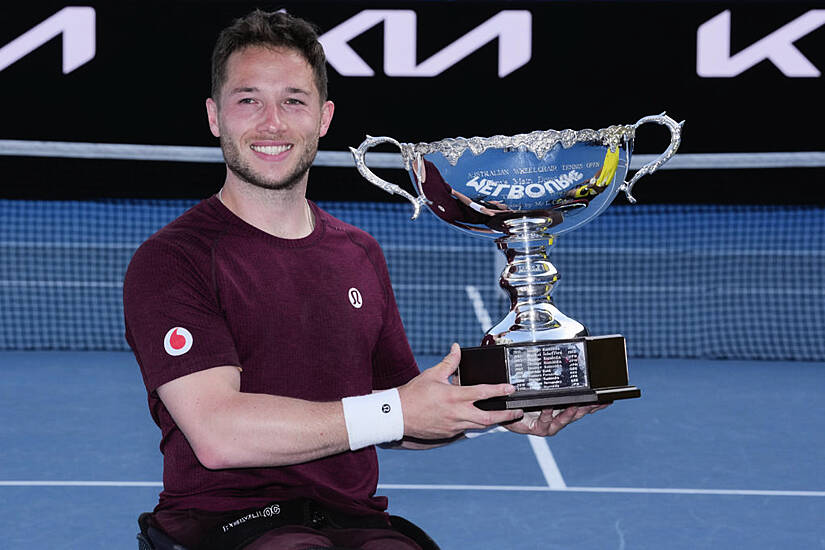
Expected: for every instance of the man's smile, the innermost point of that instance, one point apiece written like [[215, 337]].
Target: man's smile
[[271, 149]]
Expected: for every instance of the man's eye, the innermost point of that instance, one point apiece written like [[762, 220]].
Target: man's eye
[[294, 101], [246, 101]]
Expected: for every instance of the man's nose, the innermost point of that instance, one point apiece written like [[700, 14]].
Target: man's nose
[[272, 120]]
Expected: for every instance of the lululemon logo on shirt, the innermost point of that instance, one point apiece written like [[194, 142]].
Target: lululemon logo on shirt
[[385, 408], [177, 341], [355, 298]]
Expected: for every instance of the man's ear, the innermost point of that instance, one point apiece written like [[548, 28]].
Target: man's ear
[[326, 117], [212, 115]]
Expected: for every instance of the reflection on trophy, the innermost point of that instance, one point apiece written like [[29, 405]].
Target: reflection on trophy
[[524, 191]]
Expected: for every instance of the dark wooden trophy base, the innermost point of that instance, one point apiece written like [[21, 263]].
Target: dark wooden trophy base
[[551, 374]]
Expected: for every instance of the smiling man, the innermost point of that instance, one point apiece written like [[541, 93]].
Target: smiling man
[[271, 111], [269, 338]]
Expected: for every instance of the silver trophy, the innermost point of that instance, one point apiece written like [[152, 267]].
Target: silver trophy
[[524, 191]]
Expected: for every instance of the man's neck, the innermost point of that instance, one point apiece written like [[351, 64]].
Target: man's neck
[[283, 213]]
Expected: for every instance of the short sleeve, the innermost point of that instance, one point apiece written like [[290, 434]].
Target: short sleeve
[[393, 360], [174, 321]]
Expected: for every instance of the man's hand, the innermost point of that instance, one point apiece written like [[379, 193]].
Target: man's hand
[[550, 421], [436, 409]]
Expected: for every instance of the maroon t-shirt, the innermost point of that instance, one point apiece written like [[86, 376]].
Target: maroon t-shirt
[[312, 318]]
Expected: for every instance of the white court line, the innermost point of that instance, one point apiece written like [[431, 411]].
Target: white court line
[[434, 487], [547, 462], [482, 315], [541, 449], [632, 490]]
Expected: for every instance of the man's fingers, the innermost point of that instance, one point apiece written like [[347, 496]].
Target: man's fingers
[[470, 394], [566, 416], [581, 412], [449, 364], [486, 391], [489, 418], [549, 422]]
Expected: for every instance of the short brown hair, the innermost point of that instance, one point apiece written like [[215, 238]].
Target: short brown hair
[[270, 30]]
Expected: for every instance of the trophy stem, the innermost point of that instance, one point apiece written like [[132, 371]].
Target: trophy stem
[[529, 279]]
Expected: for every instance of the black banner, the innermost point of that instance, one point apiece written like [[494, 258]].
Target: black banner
[[746, 77]]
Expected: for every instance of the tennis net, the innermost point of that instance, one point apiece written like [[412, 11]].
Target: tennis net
[[744, 282]]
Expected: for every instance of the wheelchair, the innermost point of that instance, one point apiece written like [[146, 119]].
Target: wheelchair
[[152, 538]]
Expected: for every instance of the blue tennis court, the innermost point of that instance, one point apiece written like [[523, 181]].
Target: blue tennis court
[[722, 312], [716, 454]]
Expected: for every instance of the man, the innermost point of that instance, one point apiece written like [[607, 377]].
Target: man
[[263, 326]]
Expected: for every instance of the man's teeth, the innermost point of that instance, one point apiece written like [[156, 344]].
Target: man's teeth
[[270, 149]]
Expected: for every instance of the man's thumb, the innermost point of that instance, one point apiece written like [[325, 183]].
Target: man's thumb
[[449, 364]]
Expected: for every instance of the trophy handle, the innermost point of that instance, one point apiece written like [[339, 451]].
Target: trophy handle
[[391, 188], [652, 166]]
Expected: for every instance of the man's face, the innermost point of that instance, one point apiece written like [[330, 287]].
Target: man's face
[[269, 117]]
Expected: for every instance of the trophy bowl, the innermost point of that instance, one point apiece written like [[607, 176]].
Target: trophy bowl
[[524, 191]]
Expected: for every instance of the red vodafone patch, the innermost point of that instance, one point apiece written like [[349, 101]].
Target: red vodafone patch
[[177, 341]]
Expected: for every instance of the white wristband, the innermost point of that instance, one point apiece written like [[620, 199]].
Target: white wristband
[[475, 206], [373, 419]]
